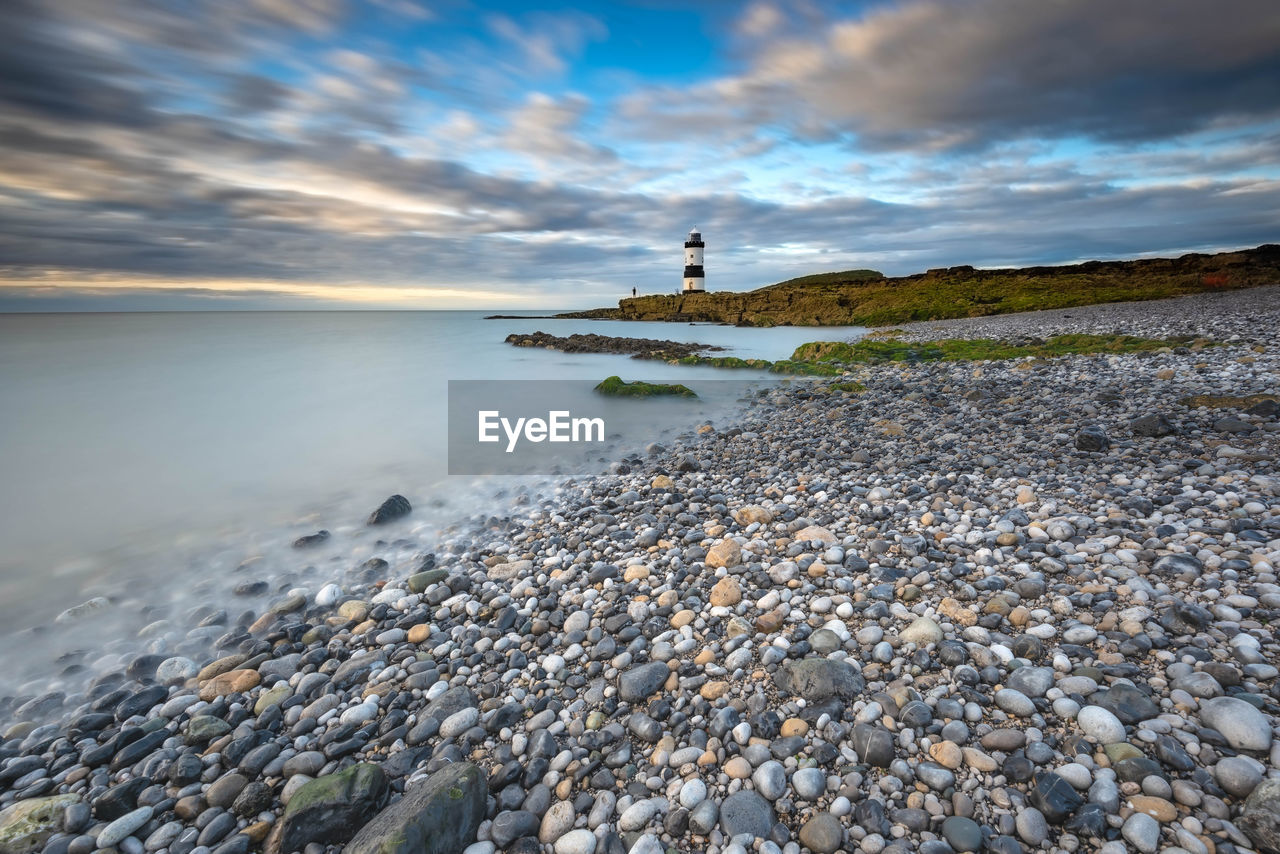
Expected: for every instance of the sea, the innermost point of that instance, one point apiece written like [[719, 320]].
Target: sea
[[151, 451]]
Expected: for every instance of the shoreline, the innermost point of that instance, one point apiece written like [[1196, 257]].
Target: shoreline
[[810, 615]]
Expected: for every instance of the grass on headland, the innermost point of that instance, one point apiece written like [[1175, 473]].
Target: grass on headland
[[615, 387], [867, 298], [725, 362], [867, 350]]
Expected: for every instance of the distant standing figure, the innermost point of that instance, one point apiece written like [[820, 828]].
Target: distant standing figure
[[633, 291]]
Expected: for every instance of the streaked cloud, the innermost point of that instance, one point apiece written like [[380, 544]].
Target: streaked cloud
[[390, 153]]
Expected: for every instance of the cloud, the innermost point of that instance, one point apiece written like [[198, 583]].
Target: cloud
[[941, 74], [548, 40], [263, 151]]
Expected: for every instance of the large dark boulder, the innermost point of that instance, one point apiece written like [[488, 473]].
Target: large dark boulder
[[437, 816], [1093, 439], [819, 678], [1153, 424], [330, 809], [642, 681], [395, 507]]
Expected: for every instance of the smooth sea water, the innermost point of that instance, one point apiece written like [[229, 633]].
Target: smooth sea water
[[149, 445]]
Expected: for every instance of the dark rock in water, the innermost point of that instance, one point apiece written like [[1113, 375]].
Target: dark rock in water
[[437, 816], [637, 348], [1054, 797], [746, 812], [1260, 818], [329, 809], [1092, 438], [642, 682], [309, 540], [819, 678], [1127, 703], [395, 507], [1153, 424], [144, 666], [873, 744]]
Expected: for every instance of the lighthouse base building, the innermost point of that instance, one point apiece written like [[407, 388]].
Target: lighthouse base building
[[694, 280]]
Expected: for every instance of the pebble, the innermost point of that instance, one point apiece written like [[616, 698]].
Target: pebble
[[1100, 725]]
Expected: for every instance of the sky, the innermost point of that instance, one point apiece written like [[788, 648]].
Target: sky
[[236, 154]]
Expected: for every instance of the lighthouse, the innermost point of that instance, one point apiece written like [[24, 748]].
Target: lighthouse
[[693, 277]]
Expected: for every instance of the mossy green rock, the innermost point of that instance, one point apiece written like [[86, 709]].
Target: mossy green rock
[[27, 825], [421, 581], [440, 815], [616, 387], [273, 697], [329, 809], [204, 728]]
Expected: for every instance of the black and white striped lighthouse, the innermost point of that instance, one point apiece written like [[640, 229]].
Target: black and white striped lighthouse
[[693, 276]]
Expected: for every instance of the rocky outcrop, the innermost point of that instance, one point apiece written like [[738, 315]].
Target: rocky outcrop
[[866, 298], [637, 348]]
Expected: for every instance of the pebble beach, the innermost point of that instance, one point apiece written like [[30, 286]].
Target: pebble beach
[[1018, 606]]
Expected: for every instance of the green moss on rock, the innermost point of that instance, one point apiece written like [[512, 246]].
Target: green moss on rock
[[615, 387], [27, 825]]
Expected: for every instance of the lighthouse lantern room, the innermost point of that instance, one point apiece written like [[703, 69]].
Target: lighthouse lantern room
[[693, 276]]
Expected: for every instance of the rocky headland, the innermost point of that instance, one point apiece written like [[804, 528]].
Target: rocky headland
[[867, 298], [935, 606]]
